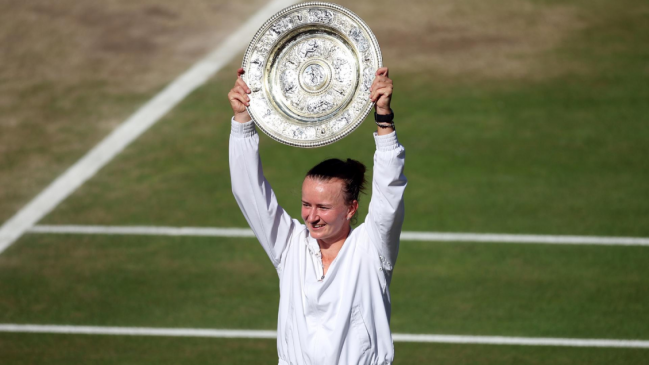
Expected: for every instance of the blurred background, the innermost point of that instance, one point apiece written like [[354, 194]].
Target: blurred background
[[518, 117]]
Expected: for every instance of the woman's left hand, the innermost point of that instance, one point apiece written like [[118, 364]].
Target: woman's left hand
[[381, 91]]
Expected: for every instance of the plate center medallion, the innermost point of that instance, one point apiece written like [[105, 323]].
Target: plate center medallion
[[314, 76]]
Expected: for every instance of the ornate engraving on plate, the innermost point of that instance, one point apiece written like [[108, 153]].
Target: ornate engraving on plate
[[310, 68]]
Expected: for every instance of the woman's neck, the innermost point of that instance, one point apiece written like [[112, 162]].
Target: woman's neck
[[330, 248]]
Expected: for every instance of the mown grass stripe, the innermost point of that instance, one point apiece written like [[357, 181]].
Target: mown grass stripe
[[405, 236], [261, 334]]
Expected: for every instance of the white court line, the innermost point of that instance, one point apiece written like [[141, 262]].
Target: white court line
[[525, 341], [134, 126], [525, 238], [397, 337], [405, 236], [136, 331], [147, 231]]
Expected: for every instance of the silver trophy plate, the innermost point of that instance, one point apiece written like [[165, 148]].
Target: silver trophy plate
[[310, 68]]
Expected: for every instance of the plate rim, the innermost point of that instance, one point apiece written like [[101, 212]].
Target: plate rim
[[262, 30]]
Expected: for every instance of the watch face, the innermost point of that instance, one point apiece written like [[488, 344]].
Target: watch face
[[310, 68]]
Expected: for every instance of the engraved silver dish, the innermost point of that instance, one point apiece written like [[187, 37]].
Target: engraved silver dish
[[310, 68]]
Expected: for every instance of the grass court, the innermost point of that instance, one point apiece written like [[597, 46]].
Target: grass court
[[517, 117]]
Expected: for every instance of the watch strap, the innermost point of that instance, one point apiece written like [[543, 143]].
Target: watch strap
[[384, 118]]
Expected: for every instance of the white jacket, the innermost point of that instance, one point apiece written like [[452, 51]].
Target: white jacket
[[345, 317]]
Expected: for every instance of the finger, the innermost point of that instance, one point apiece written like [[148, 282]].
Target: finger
[[238, 101], [383, 71], [243, 85], [383, 78], [240, 72], [378, 93], [386, 90], [240, 90], [380, 85], [380, 81]]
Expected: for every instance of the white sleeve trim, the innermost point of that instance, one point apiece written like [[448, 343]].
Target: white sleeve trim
[[242, 130], [386, 142]]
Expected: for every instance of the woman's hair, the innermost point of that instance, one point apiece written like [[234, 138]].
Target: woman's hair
[[351, 172]]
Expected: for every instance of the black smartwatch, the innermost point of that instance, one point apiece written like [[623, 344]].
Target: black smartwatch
[[384, 118]]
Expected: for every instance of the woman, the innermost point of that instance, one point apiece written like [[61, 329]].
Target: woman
[[334, 280]]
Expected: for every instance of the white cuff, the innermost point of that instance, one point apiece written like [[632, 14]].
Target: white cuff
[[243, 129], [386, 142]]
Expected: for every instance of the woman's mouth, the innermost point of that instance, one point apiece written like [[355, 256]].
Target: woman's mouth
[[317, 226]]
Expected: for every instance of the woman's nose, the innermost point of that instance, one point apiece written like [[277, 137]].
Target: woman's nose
[[312, 215]]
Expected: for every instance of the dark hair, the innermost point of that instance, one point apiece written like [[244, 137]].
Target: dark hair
[[351, 172]]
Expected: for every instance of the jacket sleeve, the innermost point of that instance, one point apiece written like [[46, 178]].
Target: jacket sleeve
[[386, 210], [270, 223]]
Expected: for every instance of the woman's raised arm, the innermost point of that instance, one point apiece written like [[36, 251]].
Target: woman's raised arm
[[386, 211], [270, 223]]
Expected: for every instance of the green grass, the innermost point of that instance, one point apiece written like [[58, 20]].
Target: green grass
[[65, 349], [61, 123], [73, 349], [561, 155], [521, 290], [139, 281], [411, 353], [447, 288]]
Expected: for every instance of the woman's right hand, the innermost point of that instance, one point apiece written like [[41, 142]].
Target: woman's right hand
[[239, 99]]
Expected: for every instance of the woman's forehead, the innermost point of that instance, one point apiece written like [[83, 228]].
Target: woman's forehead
[[322, 189]]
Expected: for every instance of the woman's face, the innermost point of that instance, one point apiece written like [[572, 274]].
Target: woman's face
[[324, 209]]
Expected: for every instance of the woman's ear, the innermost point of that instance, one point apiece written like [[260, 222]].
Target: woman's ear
[[353, 207]]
